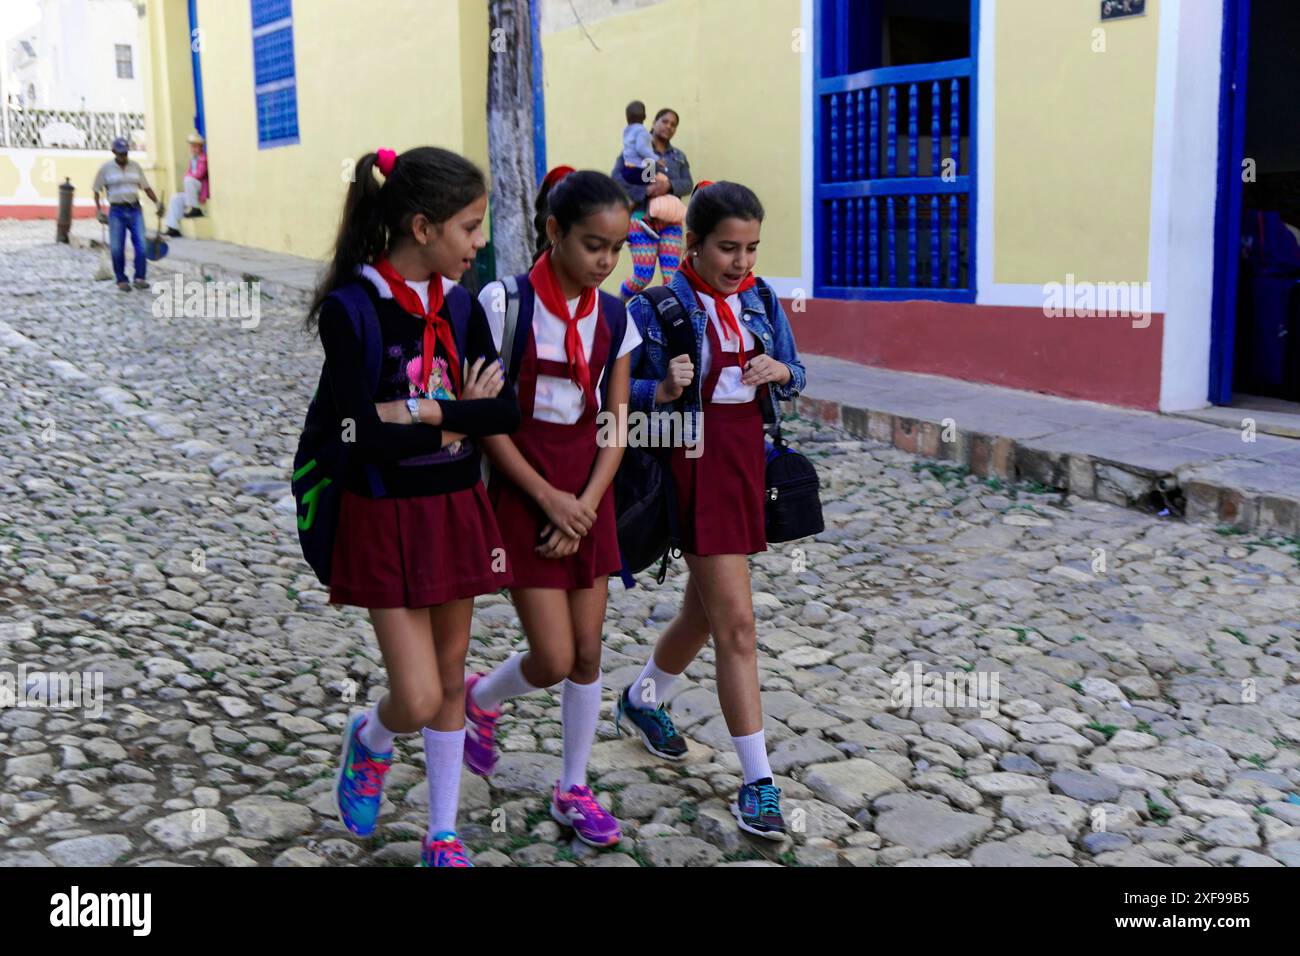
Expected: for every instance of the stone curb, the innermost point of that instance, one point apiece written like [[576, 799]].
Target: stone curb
[[1087, 476], [194, 269]]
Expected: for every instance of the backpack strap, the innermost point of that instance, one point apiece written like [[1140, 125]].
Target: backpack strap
[[680, 334], [365, 326], [520, 300], [459, 304], [615, 314], [770, 303]]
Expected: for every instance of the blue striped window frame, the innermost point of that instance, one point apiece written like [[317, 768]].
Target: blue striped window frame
[[888, 223], [275, 83]]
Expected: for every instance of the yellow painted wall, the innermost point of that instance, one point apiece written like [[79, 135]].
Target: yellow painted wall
[[1074, 137], [734, 80], [392, 79], [49, 167], [168, 76]]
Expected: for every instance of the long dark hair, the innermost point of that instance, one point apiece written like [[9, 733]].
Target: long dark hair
[[428, 180], [573, 199], [718, 201]]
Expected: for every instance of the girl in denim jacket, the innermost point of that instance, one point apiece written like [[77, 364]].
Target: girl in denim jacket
[[746, 359]]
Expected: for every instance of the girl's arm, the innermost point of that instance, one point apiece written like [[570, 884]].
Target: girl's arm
[[608, 458], [606, 464], [478, 417], [376, 441], [643, 394], [784, 350]]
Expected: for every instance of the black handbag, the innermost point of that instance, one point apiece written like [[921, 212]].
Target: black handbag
[[792, 503]]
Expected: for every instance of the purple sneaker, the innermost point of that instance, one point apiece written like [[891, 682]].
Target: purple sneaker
[[480, 742], [591, 823]]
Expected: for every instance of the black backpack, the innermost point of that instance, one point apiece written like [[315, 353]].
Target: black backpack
[[323, 462], [643, 487]]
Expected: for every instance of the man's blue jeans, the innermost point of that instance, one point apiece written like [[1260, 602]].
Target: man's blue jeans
[[121, 219]]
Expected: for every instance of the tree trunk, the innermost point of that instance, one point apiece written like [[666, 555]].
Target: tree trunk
[[510, 134]]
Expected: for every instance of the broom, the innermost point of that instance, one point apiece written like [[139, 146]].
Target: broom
[[105, 268]]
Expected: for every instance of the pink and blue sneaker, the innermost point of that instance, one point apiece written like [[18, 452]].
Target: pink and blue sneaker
[[577, 808], [444, 849], [480, 739], [359, 790]]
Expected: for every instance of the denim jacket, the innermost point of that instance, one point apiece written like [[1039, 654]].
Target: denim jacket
[[650, 359]]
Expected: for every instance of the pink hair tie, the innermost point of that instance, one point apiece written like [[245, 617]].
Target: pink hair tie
[[385, 159]]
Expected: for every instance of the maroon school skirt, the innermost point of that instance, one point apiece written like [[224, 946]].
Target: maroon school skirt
[[563, 455], [416, 552], [720, 493]]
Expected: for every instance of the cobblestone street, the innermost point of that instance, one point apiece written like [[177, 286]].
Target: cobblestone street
[[1147, 671]]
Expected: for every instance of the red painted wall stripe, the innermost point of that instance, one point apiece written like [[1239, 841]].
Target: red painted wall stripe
[[1100, 359]]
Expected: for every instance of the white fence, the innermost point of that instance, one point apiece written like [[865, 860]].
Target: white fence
[[68, 129]]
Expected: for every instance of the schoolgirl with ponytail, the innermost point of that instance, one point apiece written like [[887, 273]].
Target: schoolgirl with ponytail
[[417, 539], [551, 479]]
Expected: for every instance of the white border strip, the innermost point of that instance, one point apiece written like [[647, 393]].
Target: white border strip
[[806, 158]]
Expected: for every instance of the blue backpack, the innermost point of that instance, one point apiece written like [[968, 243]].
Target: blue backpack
[[324, 462]]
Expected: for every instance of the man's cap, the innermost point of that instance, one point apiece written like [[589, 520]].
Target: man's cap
[[120, 145]]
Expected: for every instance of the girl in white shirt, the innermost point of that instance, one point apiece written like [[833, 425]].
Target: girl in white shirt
[[551, 484]]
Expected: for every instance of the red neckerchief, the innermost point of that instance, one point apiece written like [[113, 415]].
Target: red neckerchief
[[436, 328], [547, 287], [726, 318]]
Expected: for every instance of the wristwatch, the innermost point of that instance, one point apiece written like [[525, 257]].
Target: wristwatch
[[413, 406]]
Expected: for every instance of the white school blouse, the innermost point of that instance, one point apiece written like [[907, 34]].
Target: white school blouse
[[729, 390], [556, 399]]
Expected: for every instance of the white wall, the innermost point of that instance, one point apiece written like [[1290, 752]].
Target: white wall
[[1183, 210], [76, 61]]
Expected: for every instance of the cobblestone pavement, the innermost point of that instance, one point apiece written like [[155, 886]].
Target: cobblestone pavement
[[1147, 710]]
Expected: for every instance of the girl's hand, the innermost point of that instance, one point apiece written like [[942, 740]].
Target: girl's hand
[[557, 544], [483, 381], [681, 372], [762, 369], [567, 513]]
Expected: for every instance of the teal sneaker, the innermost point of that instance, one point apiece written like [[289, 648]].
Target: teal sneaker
[[758, 809], [444, 849], [359, 789], [656, 728]]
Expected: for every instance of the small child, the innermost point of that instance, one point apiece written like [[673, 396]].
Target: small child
[[638, 150]]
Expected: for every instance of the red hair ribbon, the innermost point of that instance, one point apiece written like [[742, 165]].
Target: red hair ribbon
[[385, 159], [555, 175], [700, 185]]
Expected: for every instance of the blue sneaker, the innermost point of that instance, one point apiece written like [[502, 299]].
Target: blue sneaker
[[359, 789], [758, 809], [655, 727]]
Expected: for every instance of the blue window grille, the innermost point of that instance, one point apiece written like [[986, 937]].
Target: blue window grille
[[894, 175], [274, 77]]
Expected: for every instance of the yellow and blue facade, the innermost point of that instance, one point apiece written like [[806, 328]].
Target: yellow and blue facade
[[1060, 149]]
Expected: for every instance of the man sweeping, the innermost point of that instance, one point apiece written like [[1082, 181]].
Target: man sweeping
[[122, 180]]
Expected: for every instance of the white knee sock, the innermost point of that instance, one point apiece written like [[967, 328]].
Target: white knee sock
[[579, 711], [752, 751], [443, 750], [508, 680], [649, 689], [374, 735]]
